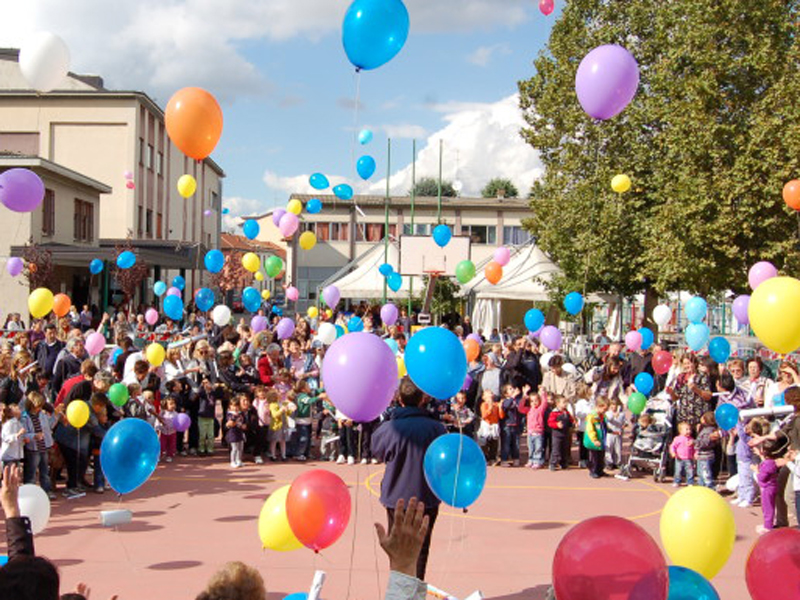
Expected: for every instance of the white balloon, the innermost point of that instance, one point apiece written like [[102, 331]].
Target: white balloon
[[34, 504], [544, 361], [662, 314], [327, 333], [569, 368], [44, 61], [221, 315]]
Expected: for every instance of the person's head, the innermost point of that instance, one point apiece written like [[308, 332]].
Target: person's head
[[560, 402], [614, 350], [99, 402], [50, 333], [772, 449], [173, 355], [601, 406], [125, 343], [21, 360], [140, 368], [615, 405], [89, 369], [202, 350], [34, 403], [102, 381], [487, 396], [240, 400], [134, 390], [689, 363], [509, 391], [174, 386], [461, 399], [205, 381], [245, 360], [792, 397], [29, 578], [556, 364], [409, 394], [11, 411], [171, 404], [301, 387], [708, 419], [758, 426], [736, 368], [645, 421], [75, 346], [149, 396], [273, 397], [488, 362], [726, 382], [285, 376], [613, 366], [583, 390], [294, 346], [684, 428], [234, 581], [787, 372], [755, 366], [260, 392], [274, 352]]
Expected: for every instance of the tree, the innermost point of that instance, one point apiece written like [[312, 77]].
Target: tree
[[38, 269], [708, 142], [233, 274], [129, 279], [498, 186], [429, 187]]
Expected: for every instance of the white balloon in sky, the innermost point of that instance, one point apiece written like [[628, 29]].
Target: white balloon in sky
[[44, 61]]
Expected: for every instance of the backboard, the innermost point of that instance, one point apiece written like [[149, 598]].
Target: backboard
[[419, 254]]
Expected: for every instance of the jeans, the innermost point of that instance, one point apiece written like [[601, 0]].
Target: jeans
[[536, 449], [597, 462], [705, 472], [36, 460], [303, 446], [747, 487], [583, 451], [422, 561], [347, 442], [99, 476], [169, 443], [206, 442], [681, 467], [366, 438], [559, 453], [510, 448], [236, 452]]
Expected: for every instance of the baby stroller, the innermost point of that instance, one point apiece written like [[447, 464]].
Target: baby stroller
[[650, 448]]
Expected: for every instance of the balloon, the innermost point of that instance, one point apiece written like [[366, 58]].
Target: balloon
[[151, 316], [727, 416], [204, 299], [259, 276], [606, 81], [472, 349], [296, 596], [21, 190], [207, 212], [187, 186], [465, 271], [194, 122], [294, 206], [436, 362], [126, 259], [318, 508], [78, 413], [647, 337], [455, 469], [40, 302], [277, 214], [621, 183], [365, 167], [307, 240], [476, 337], [221, 315], [740, 308], [251, 229], [662, 362], [273, 526], [226, 211], [288, 224], [685, 584], [155, 354], [285, 328], [331, 295], [573, 303], [214, 261], [343, 191], [314, 206], [326, 333], [34, 503], [395, 282], [292, 293], [359, 373], [773, 314], [392, 343], [696, 309], [258, 323], [364, 137], [181, 422], [502, 255], [61, 304], [493, 272], [318, 181], [251, 262], [773, 566], [312, 312], [96, 266], [633, 341], [179, 282], [389, 314], [374, 31], [173, 291], [644, 383], [265, 294], [118, 394], [44, 61], [173, 307], [95, 342], [129, 454], [467, 383], [662, 314], [609, 558], [637, 402], [130, 185], [534, 319], [339, 331], [546, 7], [551, 338], [791, 194], [401, 367], [720, 349], [251, 299], [273, 266], [15, 265], [159, 288], [355, 324], [697, 335], [761, 272]]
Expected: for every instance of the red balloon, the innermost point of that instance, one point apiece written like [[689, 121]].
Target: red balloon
[[773, 567], [791, 194], [318, 508], [546, 7], [609, 558], [662, 361]]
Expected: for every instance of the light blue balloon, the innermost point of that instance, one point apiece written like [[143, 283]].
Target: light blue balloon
[[364, 137], [129, 454], [534, 319], [696, 309], [159, 288], [644, 383], [314, 206], [365, 167], [204, 299], [386, 269], [225, 211], [3, 560], [697, 335], [296, 596], [96, 266], [173, 307], [392, 343], [647, 338], [251, 299], [374, 31], [355, 324], [318, 181], [442, 235], [719, 349], [179, 282], [394, 281], [685, 584], [573, 303], [251, 229], [339, 331], [214, 261], [343, 191], [126, 259], [277, 310], [436, 362], [455, 469], [727, 416]]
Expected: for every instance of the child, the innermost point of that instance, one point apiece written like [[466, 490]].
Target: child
[[792, 461], [560, 422], [595, 438], [770, 455], [329, 430], [11, 450], [207, 404], [99, 403], [489, 431], [534, 405], [176, 393], [302, 418], [167, 431], [510, 420], [615, 424], [284, 383], [234, 421], [583, 406], [461, 419], [38, 426], [682, 450], [250, 416], [707, 440], [277, 427], [261, 404], [150, 407]]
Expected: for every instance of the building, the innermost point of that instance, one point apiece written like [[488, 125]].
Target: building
[[101, 135]]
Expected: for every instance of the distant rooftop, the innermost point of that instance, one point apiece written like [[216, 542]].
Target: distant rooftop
[[230, 241]]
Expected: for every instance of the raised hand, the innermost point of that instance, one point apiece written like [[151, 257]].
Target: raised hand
[[403, 543]]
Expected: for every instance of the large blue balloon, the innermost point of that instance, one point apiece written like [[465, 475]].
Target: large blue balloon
[[179, 282], [314, 206], [727, 415], [96, 266], [364, 137], [129, 454], [386, 269], [647, 337], [720, 349], [204, 299], [697, 335], [455, 469], [355, 324], [374, 31], [173, 307], [126, 259], [685, 584], [644, 383], [343, 191], [251, 229], [318, 181], [696, 309], [573, 303], [251, 299], [394, 281], [442, 235], [436, 362], [365, 167], [159, 288], [534, 319], [214, 261]]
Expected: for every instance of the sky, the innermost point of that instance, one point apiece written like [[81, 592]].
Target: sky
[[288, 92]]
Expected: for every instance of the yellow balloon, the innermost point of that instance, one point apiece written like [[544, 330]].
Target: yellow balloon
[[401, 367], [250, 262], [308, 240], [187, 185], [328, 313], [621, 183], [698, 530], [774, 316], [155, 354], [265, 294], [313, 312], [40, 302], [273, 524], [259, 276], [294, 206], [78, 413]]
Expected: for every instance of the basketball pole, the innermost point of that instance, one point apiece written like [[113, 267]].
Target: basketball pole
[[386, 211], [439, 200], [413, 197]]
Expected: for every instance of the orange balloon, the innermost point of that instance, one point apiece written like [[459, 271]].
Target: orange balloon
[[494, 273], [472, 348], [791, 194], [194, 122], [61, 304]]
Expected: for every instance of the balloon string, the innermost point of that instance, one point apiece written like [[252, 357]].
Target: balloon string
[[446, 577], [374, 537], [355, 523]]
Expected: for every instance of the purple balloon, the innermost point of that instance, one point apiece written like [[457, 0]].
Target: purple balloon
[[550, 337], [258, 323], [285, 328], [467, 383], [740, 306], [389, 314], [760, 272], [173, 291], [331, 295], [276, 216], [181, 422], [476, 337], [606, 81], [359, 373], [207, 212], [14, 266], [21, 190]]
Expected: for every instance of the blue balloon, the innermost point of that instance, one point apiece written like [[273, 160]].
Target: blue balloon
[[173, 307], [394, 281], [727, 416], [647, 338], [204, 299], [365, 167], [277, 310], [374, 31], [251, 299], [251, 229], [3, 560], [364, 137], [225, 211], [573, 303], [720, 349], [129, 454], [436, 362], [442, 235], [343, 191], [318, 181], [179, 282], [696, 309], [214, 261], [355, 324], [455, 469], [644, 383], [296, 596], [126, 259], [339, 331], [96, 266], [697, 335], [386, 269], [159, 288], [534, 319], [314, 206], [392, 343], [685, 584]]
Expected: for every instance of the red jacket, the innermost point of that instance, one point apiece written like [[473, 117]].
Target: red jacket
[[560, 416], [265, 371], [67, 386]]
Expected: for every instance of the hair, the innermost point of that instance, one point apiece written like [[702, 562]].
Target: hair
[[6, 413], [558, 398], [792, 396], [611, 361], [72, 341], [409, 393], [759, 426], [709, 419], [148, 394], [35, 400], [89, 369], [684, 424], [259, 390], [555, 361], [169, 399], [506, 388], [234, 581], [773, 449], [601, 403], [615, 402], [645, 420], [787, 364], [98, 398], [140, 367], [134, 389], [726, 382], [736, 362], [301, 386], [103, 379], [583, 390], [692, 358], [757, 360], [21, 360], [273, 396], [235, 401], [29, 578], [284, 373]]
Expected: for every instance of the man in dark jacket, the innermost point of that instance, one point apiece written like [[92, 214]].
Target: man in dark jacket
[[401, 443], [47, 350]]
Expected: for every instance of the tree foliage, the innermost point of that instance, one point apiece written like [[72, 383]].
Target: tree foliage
[[38, 271], [429, 187], [499, 184], [708, 142], [233, 274], [129, 279]]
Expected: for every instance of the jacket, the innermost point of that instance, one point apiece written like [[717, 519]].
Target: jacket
[[405, 587], [490, 414], [595, 436], [19, 537], [48, 423], [207, 405], [535, 414], [509, 412], [682, 448], [560, 416], [302, 415], [46, 355], [704, 445]]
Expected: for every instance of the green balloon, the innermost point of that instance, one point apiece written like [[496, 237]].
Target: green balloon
[[465, 270], [636, 403], [118, 394], [274, 266]]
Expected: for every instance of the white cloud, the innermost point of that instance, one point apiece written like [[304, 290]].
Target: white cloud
[[483, 55], [240, 207]]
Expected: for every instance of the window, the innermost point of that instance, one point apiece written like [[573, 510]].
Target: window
[[83, 221], [159, 225], [49, 213], [372, 231], [160, 164], [515, 235], [149, 156], [140, 221], [305, 226], [419, 229], [215, 201], [141, 151], [148, 228], [340, 232], [480, 234], [323, 232]]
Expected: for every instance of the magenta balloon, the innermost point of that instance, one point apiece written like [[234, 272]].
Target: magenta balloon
[[277, 214], [292, 293], [740, 306], [606, 81], [14, 266], [633, 340], [331, 295], [95, 343], [285, 328], [760, 272], [258, 323], [550, 337], [173, 291], [21, 190], [360, 375], [389, 314], [288, 224], [502, 255], [181, 422], [151, 316]]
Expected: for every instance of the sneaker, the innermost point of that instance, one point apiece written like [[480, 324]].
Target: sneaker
[[374, 461], [193, 452], [364, 461], [259, 460], [594, 475], [72, 493], [744, 504], [675, 484], [351, 460], [536, 467], [300, 458], [239, 464], [284, 459], [761, 530], [552, 467], [582, 464], [52, 495], [735, 501], [183, 452], [273, 458], [341, 460], [169, 459], [234, 465]]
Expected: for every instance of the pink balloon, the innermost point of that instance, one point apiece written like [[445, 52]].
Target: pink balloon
[[130, 185], [760, 272], [633, 340], [546, 7], [288, 224], [292, 293], [95, 343], [127, 175], [151, 316], [207, 212], [173, 291], [277, 215], [502, 255]]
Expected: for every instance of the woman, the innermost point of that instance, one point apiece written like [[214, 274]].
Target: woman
[[607, 380], [173, 369], [302, 364], [14, 389], [787, 377], [556, 381], [756, 383], [691, 391]]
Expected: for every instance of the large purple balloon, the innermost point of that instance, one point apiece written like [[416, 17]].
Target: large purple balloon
[[760, 272], [606, 81], [285, 328], [14, 266], [740, 306], [277, 214], [258, 323], [550, 337], [359, 373], [21, 190], [331, 295], [389, 314]]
